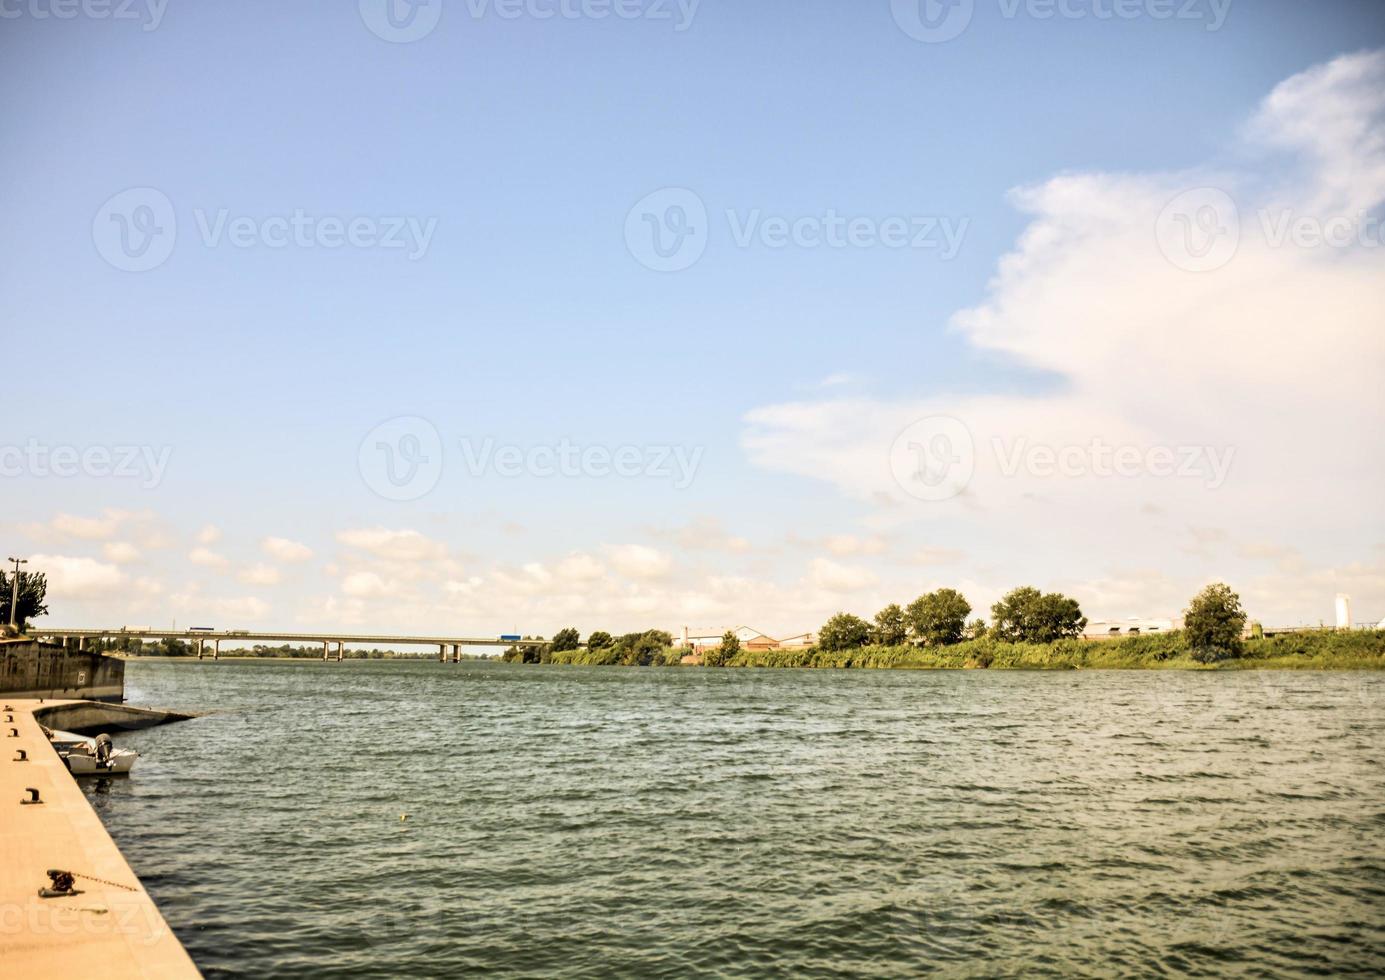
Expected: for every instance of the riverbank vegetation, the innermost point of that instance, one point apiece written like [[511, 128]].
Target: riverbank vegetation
[[1317, 649], [1029, 630]]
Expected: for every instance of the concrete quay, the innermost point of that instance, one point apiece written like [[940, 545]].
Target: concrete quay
[[112, 928]]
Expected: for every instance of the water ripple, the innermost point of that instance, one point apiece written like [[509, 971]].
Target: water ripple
[[380, 819]]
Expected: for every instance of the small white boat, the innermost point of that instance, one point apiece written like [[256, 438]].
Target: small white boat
[[92, 756]]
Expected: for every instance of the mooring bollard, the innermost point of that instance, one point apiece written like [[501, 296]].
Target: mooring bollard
[[33, 797], [22, 756], [14, 733]]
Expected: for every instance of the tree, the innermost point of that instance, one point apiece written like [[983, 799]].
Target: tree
[[938, 618], [600, 640], [526, 654], [891, 629], [640, 649], [33, 590], [976, 629], [844, 632], [1027, 615], [721, 656], [1213, 623], [566, 639]]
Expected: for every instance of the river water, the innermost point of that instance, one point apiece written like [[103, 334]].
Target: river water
[[573, 821]]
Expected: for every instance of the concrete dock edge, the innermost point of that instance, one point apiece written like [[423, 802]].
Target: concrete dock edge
[[112, 928]]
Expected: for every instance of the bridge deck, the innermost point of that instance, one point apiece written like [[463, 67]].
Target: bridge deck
[[354, 639]]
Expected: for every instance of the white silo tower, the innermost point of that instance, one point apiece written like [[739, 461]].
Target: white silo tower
[[1343, 611]]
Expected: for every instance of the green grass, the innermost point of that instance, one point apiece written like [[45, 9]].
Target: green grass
[[1318, 650]]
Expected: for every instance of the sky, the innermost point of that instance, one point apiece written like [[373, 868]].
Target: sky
[[506, 315]]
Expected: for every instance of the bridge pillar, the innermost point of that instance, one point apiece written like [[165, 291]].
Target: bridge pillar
[[216, 649], [456, 653], [199, 648], [81, 643], [325, 646], [341, 646], [442, 653]]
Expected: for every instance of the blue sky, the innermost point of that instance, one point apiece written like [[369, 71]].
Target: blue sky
[[524, 143]]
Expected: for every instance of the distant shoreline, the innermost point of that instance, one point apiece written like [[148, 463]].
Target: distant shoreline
[[1323, 650]]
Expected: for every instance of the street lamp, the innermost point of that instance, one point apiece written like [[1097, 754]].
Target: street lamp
[[14, 589]]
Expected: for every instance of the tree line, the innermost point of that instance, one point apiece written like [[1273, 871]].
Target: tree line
[[1213, 626], [939, 618], [644, 649], [1213, 623]]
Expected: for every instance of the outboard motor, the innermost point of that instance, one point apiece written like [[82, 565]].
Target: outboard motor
[[103, 749]]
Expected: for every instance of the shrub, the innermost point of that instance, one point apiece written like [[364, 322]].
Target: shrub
[[1213, 623], [939, 618], [1027, 615], [891, 626], [843, 632]]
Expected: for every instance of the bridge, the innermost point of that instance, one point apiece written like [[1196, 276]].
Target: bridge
[[202, 637]]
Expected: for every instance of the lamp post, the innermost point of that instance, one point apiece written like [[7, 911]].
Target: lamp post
[[14, 589]]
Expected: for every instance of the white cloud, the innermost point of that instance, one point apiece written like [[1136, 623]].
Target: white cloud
[[86, 528], [704, 533], [245, 611], [936, 556], [466, 587], [852, 544], [120, 552], [831, 576], [394, 545], [77, 577], [285, 550], [260, 574], [1271, 361], [210, 534], [207, 557], [638, 561], [366, 585], [580, 567]]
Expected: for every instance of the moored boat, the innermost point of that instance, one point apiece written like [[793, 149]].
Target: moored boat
[[91, 756]]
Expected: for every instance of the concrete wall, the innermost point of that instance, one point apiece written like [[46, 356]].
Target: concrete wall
[[90, 718], [29, 669]]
